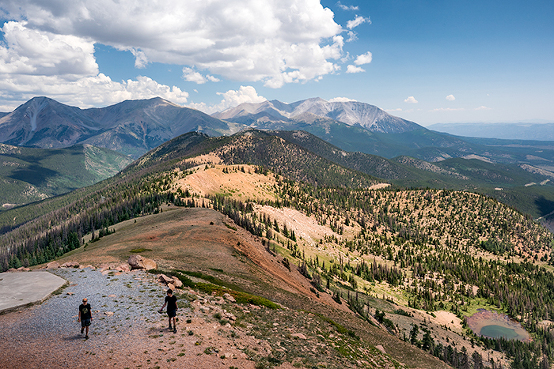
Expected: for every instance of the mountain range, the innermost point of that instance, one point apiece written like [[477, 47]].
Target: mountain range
[[365, 138], [130, 127], [134, 127], [278, 115]]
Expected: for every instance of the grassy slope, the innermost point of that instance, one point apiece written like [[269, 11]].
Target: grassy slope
[[30, 174]]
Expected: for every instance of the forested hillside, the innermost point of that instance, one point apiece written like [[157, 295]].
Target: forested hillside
[[32, 174], [397, 257]]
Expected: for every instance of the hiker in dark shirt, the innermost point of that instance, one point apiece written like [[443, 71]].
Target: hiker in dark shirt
[[85, 316], [171, 302]]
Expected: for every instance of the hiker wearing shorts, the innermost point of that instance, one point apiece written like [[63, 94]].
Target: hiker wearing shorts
[[171, 302], [85, 316]]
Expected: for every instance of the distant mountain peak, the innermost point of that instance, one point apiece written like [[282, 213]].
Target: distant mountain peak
[[131, 127], [309, 110]]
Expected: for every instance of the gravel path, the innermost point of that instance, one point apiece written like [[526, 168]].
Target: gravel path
[[126, 331], [49, 333]]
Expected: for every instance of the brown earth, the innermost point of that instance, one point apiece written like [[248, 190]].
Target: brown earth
[[199, 239]]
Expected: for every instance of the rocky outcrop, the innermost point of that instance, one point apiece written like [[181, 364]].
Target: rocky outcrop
[[53, 265], [139, 262], [162, 278], [177, 282]]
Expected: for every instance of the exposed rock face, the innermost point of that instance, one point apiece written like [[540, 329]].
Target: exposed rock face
[[139, 262], [53, 265], [177, 282], [124, 268], [162, 278]]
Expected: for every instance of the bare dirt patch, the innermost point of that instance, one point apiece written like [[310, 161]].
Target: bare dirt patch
[[449, 320], [304, 227], [237, 181]]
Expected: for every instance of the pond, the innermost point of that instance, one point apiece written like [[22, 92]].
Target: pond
[[494, 325], [497, 331]]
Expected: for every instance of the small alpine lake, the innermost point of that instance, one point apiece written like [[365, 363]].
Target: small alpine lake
[[498, 331], [491, 324]]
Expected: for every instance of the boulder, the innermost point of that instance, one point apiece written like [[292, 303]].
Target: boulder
[[139, 262], [229, 316], [381, 348], [177, 282], [124, 268], [149, 264], [53, 265], [229, 298], [162, 278], [299, 336], [70, 264]]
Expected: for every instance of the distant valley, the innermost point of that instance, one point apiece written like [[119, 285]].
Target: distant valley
[[32, 174], [508, 131]]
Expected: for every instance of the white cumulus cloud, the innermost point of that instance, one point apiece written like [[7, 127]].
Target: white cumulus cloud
[[347, 7], [191, 75], [450, 98], [354, 69], [341, 99], [63, 67], [275, 42], [357, 21], [29, 52], [411, 100], [363, 59], [231, 98], [483, 108]]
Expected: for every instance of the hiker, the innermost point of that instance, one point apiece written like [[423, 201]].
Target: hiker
[[171, 302], [85, 316]]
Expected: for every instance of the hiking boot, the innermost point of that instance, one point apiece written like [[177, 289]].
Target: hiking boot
[[86, 337], [174, 330]]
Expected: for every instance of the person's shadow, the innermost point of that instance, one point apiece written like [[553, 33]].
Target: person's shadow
[[75, 337]]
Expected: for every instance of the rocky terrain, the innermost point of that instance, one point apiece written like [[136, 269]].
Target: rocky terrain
[[212, 331]]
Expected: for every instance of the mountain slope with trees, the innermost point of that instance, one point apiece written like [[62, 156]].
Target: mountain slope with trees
[[31, 174], [396, 257]]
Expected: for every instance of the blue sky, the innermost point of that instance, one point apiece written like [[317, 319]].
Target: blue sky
[[426, 61]]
